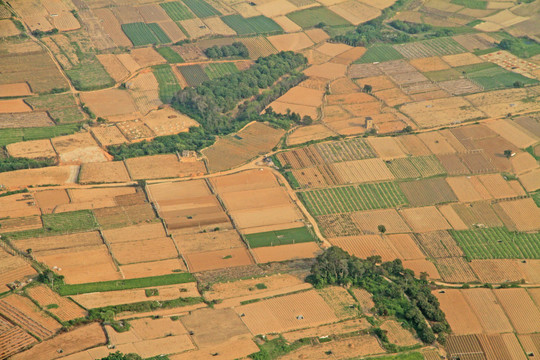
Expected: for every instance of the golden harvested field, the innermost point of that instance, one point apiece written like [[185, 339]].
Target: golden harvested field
[[18, 205], [78, 148], [253, 140], [308, 133], [109, 298], [425, 219], [153, 268], [340, 301], [468, 190], [114, 66], [455, 270], [12, 269], [343, 327], [520, 215], [341, 349], [211, 260], [19, 224], [327, 70], [245, 180], [531, 180], [509, 131], [283, 313], [387, 147], [520, 309], [66, 310], [166, 121], [162, 166], [111, 103], [368, 221], [488, 310], [286, 252], [405, 246], [48, 200], [398, 335], [43, 176], [81, 338], [364, 246], [294, 42], [208, 241], [32, 149], [103, 172], [108, 135], [144, 250], [439, 244], [17, 89], [459, 314]]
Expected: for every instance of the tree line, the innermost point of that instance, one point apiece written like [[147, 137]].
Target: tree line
[[236, 49], [396, 291]]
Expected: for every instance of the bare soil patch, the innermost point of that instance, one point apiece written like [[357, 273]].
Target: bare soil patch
[[459, 314], [103, 172], [286, 252]]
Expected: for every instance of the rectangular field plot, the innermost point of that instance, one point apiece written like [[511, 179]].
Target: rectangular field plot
[[168, 84], [252, 25], [308, 18], [520, 309], [416, 166], [215, 71], [427, 48], [428, 192], [280, 237], [355, 149], [177, 11], [201, 8], [353, 198], [380, 53], [498, 243], [143, 34], [193, 74]]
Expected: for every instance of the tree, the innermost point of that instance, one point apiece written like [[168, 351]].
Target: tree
[[119, 356], [367, 88], [382, 229], [508, 153]]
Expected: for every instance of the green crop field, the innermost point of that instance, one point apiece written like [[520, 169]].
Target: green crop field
[[352, 198], [253, 25], [443, 75], [201, 8], [497, 243], [219, 70], [9, 136], [67, 115], [180, 278], [159, 33], [61, 223], [168, 84], [141, 34], [193, 74], [471, 4], [379, 53], [170, 55], [177, 11], [427, 165], [52, 101], [280, 237], [90, 75], [308, 18]]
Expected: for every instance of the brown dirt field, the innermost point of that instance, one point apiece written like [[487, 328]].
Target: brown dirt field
[[358, 171], [135, 130], [431, 113], [290, 42], [429, 64], [412, 145], [327, 71], [252, 199], [211, 260], [488, 310], [217, 26], [520, 309], [405, 246], [129, 63], [153, 268], [425, 219], [25, 119], [302, 96], [286, 24], [172, 30], [111, 298], [465, 189], [144, 250], [110, 102], [195, 28], [13, 339], [398, 335], [349, 56], [462, 59], [455, 270], [167, 121], [355, 12], [235, 348], [343, 86], [523, 162], [14, 106], [162, 166], [256, 139], [365, 300], [18, 205], [23, 312], [452, 164], [286, 252], [439, 244], [103, 172], [420, 266], [302, 110], [317, 35], [497, 271], [108, 135], [358, 71], [531, 180], [87, 264], [332, 50], [209, 241], [387, 147], [246, 180], [520, 215], [43, 176], [153, 13], [496, 186], [81, 338], [392, 97], [280, 314], [377, 82], [509, 131], [8, 28], [341, 349], [97, 194], [307, 133], [134, 233], [19, 224], [67, 309], [13, 268], [460, 86], [364, 246], [428, 191], [452, 217], [211, 327], [17, 89], [459, 314], [513, 346], [352, 97], [437, 143], [368, 221], [32, 149], [343, 327], [78, 148], [70, 241], [181, 190], [114, 67]]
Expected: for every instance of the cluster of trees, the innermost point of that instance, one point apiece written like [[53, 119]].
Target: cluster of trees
[[212, 102], [196, 139], [410, 28], [236, 49], [396, 291], [14, 163], [371, 32]]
